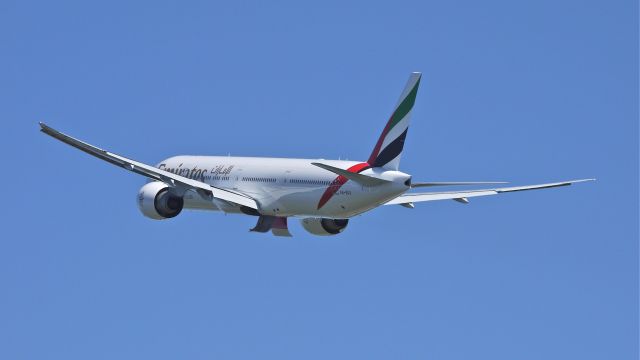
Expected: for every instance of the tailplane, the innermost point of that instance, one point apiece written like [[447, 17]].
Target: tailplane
[[388, 149]]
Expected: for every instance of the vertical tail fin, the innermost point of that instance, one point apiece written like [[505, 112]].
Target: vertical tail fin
[[388, 149]]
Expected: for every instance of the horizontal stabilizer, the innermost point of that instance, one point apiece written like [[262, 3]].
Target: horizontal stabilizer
[[359, 178]]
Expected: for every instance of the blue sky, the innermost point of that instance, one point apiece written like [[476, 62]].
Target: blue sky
[[524, 92]]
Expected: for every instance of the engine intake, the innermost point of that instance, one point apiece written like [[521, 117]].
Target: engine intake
[[324, 226], [156, 201]]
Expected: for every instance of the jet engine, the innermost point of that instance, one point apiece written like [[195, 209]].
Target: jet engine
[[157, 201], [324, 226]]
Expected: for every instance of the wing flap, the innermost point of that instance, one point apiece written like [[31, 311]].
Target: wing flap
[[151, 171]]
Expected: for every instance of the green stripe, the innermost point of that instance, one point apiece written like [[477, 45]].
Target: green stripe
[[405, 106]]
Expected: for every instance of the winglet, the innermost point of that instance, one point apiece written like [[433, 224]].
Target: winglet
[[45, 128]]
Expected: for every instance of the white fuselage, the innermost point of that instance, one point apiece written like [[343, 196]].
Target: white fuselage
[[324, 193], [286, 187]]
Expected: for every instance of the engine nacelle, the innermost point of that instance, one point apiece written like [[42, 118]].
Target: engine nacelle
[[323, 226], [156, 201]]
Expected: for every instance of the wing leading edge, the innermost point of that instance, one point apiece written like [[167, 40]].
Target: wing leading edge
[[461, 196], [152, 172]]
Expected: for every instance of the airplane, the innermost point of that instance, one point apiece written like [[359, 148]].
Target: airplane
[[323, 194]]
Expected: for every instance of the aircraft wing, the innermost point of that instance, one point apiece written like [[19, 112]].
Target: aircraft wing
[[455, 183], [461, 196], [152, 172]]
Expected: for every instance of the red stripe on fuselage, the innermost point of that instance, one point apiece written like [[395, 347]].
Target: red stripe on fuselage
[[376, 150], [337, 183]]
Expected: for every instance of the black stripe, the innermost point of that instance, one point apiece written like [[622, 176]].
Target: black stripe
[[391, 151]]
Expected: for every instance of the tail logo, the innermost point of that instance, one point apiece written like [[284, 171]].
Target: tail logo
[[388, 149]]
